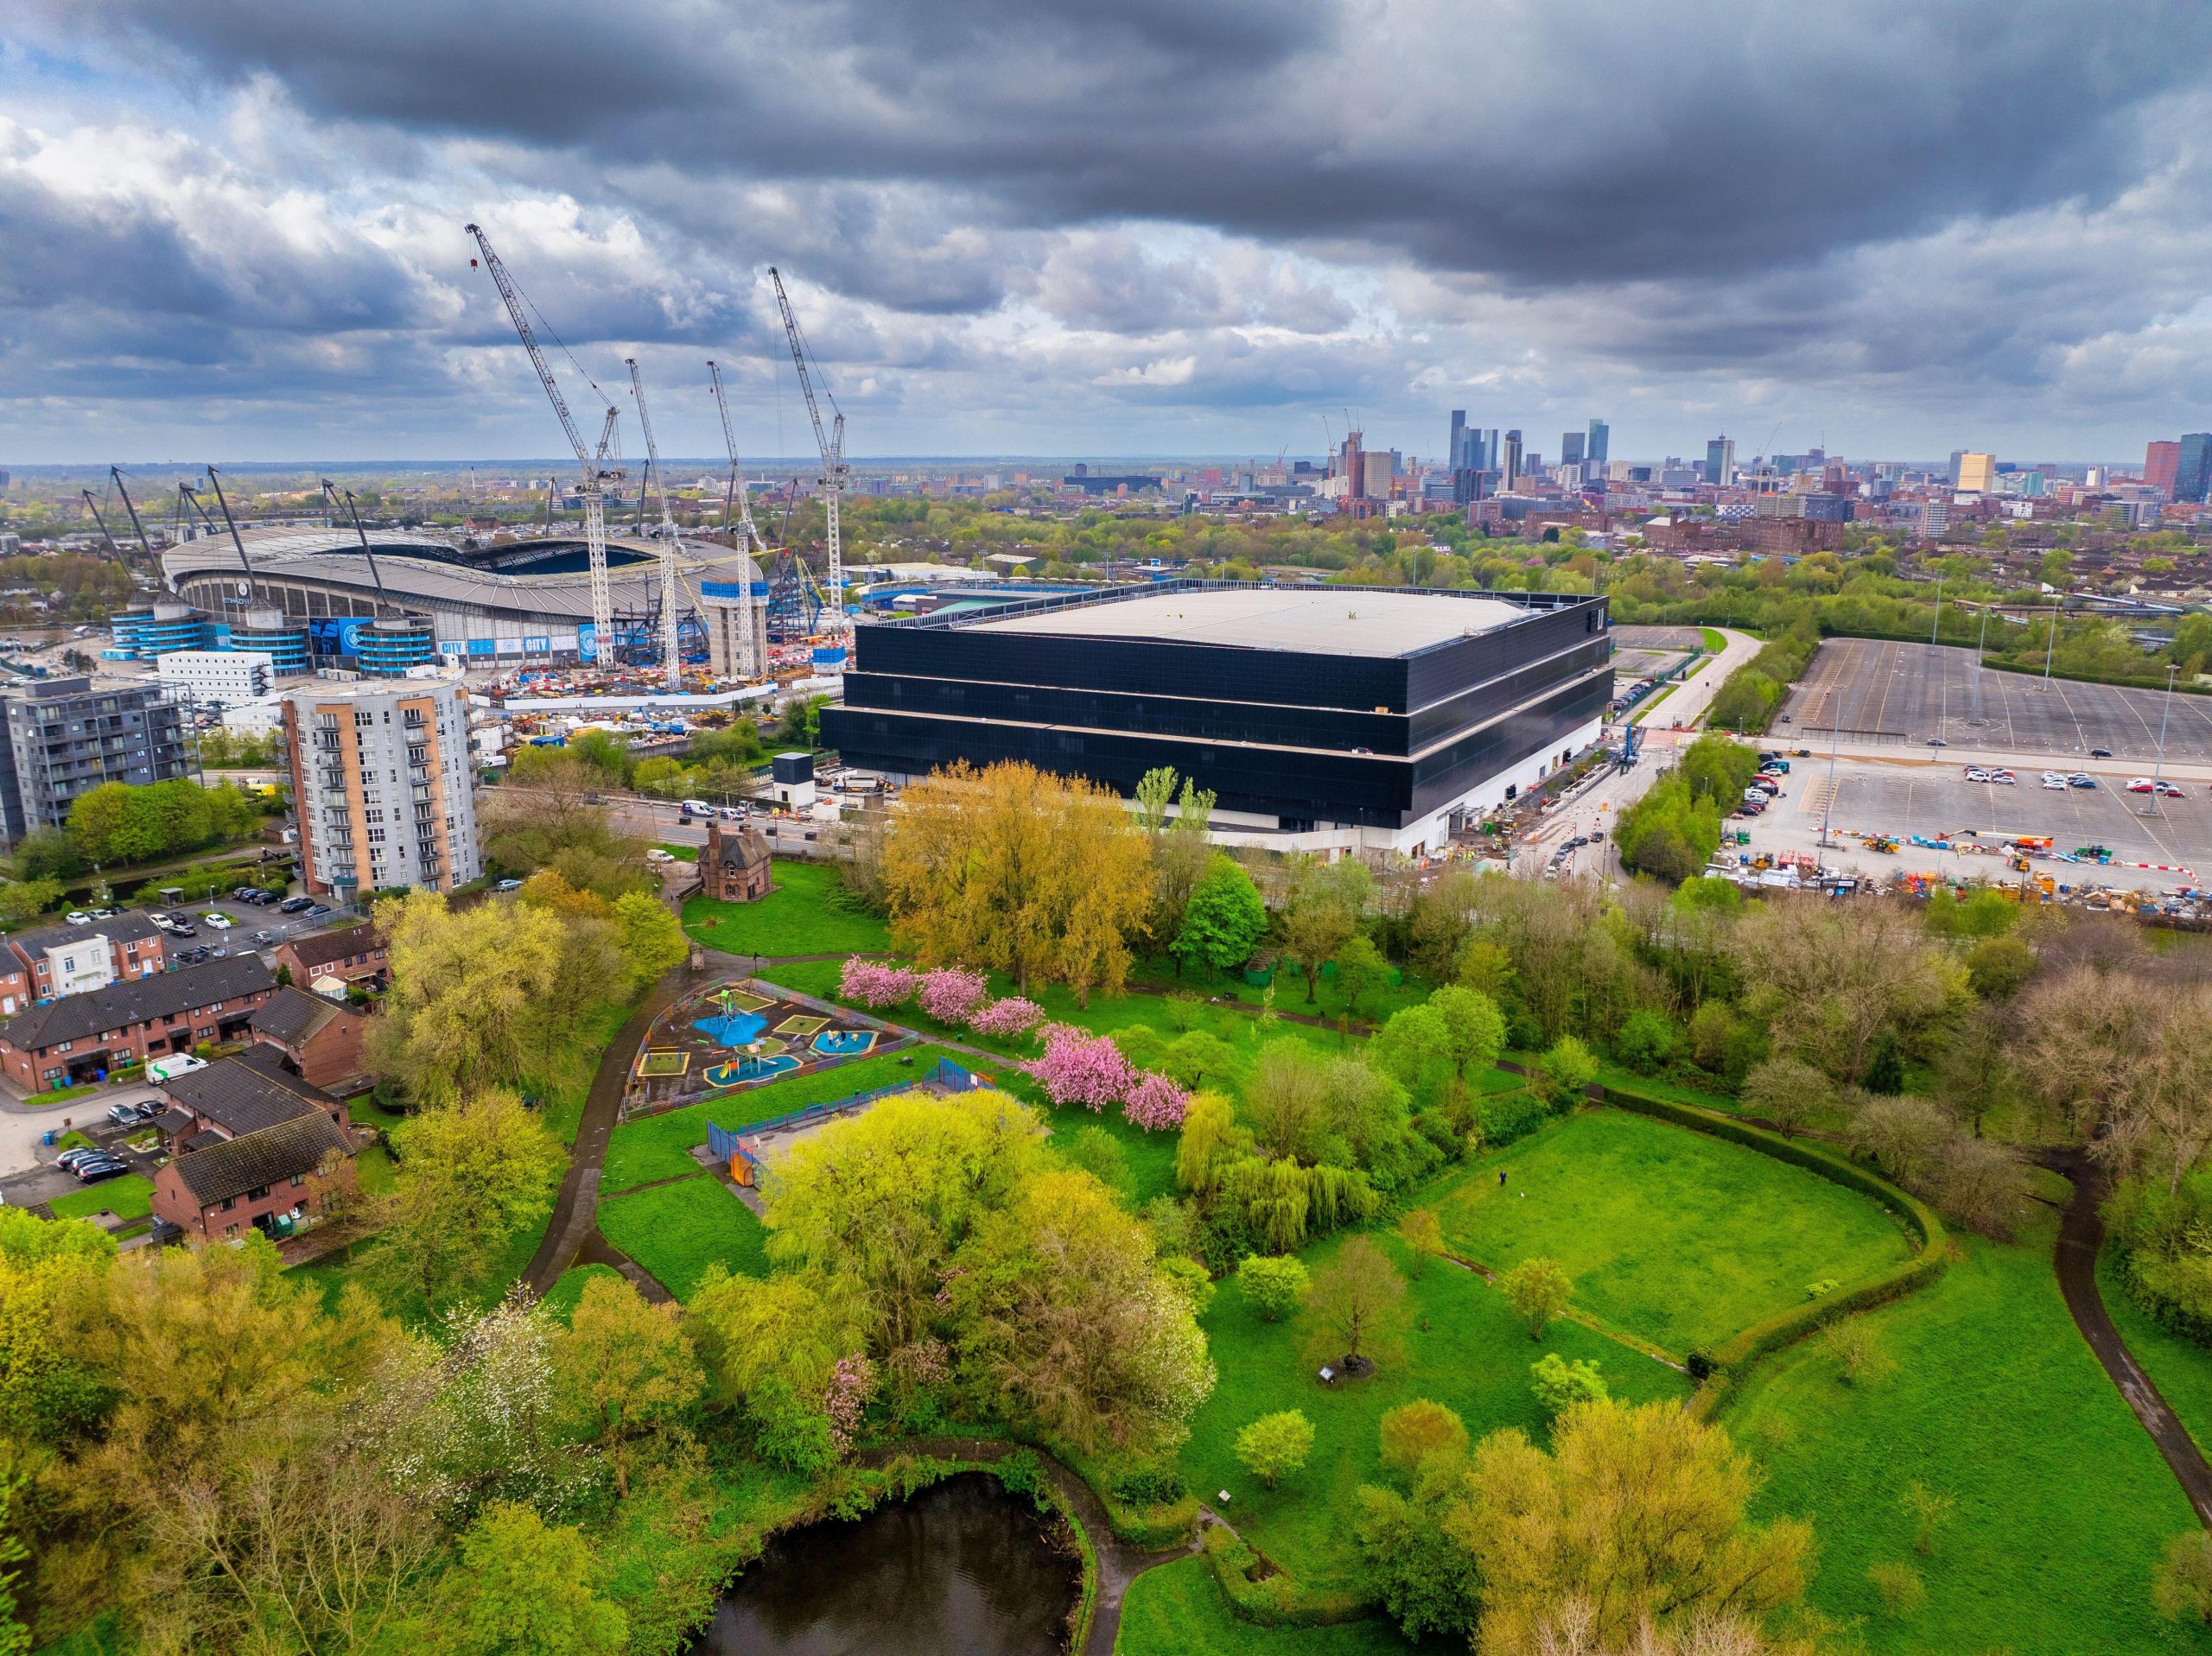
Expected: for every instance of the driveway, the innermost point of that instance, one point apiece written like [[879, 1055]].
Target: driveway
[[28, 1174]]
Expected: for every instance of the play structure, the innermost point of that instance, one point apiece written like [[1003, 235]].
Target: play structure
[[729, 1035]]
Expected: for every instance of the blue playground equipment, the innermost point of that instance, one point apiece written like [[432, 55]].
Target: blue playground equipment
[[842, 1042], [733, 1028]]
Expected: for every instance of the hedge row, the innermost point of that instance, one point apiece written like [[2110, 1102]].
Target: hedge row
[[1276, 1601], [1725, 1362], [2181, 684]]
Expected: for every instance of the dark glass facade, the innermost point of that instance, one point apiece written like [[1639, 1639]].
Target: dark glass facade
[[1306, 737]]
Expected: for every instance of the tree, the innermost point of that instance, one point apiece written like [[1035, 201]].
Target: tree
[[522, 1587], [2128, 1061], [1412, 1432], [1198, 1057], [1223, 920], [1272, 1285], [1565, 1072], [629, 1369], [1361, 970], [471, 992], [1313, 932], [1356, 1311], [471, 1176], [650, 938], [2182, 1589], [1999, 967], [1476, 1026], [1787, 1093], [1275, 1446], [1904, 1136], [47, 854], [1411, 1561], [1016, 870], [1423, 1236], [1829, 978], [1636, 1516], [1538, 1290], [24, 900], [1286, 1100], [1415, 1048], [1558, 1384]]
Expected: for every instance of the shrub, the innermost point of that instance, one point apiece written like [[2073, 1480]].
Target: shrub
[[1928, 1509], [948, 993], [1559, 1384], [1274, 1285], [1787, 1093], [1646, 1042], [1900, 1584], [1538, 1290], [1423, 1234], [1007, 1018], [1155, 1103], [875, 983], [1080, 1067], [1505, 1116], [1151, 1484], [1413, 1431], [2182, 1588], [1857, 1351], [1275, 1446], [1565, 1071]]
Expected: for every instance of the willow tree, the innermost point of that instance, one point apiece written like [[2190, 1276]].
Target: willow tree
[[1042, 877]]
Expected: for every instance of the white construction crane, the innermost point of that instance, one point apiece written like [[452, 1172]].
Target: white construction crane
[[595, 474], [671, 544], [749, 537], [833, 469]]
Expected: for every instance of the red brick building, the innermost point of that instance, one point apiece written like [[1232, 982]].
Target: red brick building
[[84, 1036], [320, 1039], [70, 960], [276, 1179], [734, 867], [236, 1096], [355, 954]]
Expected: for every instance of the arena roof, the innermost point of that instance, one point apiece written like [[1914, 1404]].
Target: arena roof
[[1320, 620]]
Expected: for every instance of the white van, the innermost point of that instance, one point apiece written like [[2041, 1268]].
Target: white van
[[698, 808]]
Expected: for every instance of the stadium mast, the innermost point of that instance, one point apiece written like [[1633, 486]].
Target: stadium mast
[[832, 454], [147, 546], [594, 475], [670, 543]]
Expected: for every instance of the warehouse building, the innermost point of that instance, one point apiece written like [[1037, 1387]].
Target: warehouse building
[[1323, 718]]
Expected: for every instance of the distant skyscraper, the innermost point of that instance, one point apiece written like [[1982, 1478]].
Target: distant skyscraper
[[2162, 466], [2193, 470], [1975, 475], [1599, 434], [1491, 453], [1455, 455], [1510, 463], [1720, 462], [1957, 456], [1570, 448]]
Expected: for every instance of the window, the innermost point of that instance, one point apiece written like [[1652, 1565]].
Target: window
[[229, 1230], [257, 1193], [227, 1203], [299, 1181]]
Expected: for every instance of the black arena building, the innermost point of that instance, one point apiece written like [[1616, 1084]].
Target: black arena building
[[1323, 718]]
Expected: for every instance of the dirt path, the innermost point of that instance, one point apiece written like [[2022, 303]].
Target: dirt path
[[2081, 1236]]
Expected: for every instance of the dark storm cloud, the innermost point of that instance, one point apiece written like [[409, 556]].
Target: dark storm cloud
[[1536, 145]]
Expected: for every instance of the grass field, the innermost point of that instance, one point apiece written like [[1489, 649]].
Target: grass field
[[2063, 1503], [569, 1287], [130, 1197], [564, 1083], [675, 1231], [659, 1146], [2178, 1366], [1671, 1235], [799, 916], [1473, 1357], [1176, 1611]]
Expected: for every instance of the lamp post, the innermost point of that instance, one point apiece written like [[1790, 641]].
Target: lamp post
[[1936, 626], [2052, 645], [2158, 768]]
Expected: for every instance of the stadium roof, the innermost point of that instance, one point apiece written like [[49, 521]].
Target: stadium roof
[[1321, 620]]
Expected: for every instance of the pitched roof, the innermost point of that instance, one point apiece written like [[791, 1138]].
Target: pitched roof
[[247, 1093], [253, 1159], [321, 947], [743, 849], [137, 1000], [293, 1015], [129, 928]]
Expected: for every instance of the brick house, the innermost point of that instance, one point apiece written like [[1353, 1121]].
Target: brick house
[[355, 954], [735, 866], [70, 960], [233, 1097], [320, 1039], [276, 1179], [83, 1036]]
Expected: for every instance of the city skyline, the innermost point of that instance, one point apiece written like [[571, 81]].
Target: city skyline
[[1071, 232]]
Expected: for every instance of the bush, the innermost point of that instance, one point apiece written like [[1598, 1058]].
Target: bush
[[1565, 1072], [1413, 1431], [1274, 1285], [1559, 1384], [1538, 1290], [1898, 1582], [1646, 1042], [1275, 1446], [1505, 1116], [1151, 1484]]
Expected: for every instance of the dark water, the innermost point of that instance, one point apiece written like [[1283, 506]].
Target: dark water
[[964, 1567]]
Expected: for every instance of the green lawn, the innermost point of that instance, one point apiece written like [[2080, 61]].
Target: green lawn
[[1474, 1357], [1176, 1611], [130, 1197], [1289, 987], [682, 852], [1715, 639], [801, 914], [1670, 1234], [659, 1146], [569, 1287], [2063, 1503], [675, 1231], [373, 1170], [2178, 1366]]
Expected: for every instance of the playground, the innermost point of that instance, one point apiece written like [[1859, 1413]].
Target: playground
[[732, 1034]]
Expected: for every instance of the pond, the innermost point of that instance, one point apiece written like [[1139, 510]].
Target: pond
[[962, 1567]]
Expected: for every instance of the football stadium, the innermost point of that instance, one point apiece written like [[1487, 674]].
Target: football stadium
[[1323, 718]]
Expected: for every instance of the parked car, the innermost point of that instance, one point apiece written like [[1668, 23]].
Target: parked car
[[2100, 753], [219, 921], [508, 885], [2058, 783], [263, 939], [124, 1116], [105, 914], [300, 904], [2080, 780], [161, 920], [78, 917], [178, 930], [93, 1172], [316, 910], [69, 1158]]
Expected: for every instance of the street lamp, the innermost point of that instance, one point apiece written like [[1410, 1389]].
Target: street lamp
[[2052, 645], [2158, 768], [1936, 626]]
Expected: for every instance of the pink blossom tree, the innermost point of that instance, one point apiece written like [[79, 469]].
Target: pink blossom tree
[[1155, 1103], [852, 1383], [1080, 1067], [875, 983], [948, 993], [1007, 1018]]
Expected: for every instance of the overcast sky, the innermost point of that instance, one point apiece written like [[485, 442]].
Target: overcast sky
[[233, 229]]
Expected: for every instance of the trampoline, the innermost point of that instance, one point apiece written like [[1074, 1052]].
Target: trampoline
[[729, 1075], [732, 1028], [842, 1042]]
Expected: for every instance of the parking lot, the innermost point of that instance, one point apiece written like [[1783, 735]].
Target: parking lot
[[247, 921], [1652, 653], [1901, 799], [1868, 690]]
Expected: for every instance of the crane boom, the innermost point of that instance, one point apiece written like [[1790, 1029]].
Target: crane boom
[[671, 544], [749, 541], [94, 506], [330, 493], [832, 454], [602, 603], [115, 472]]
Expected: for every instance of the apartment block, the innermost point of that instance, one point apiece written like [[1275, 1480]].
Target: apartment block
[[383, 786], [64, 738]]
